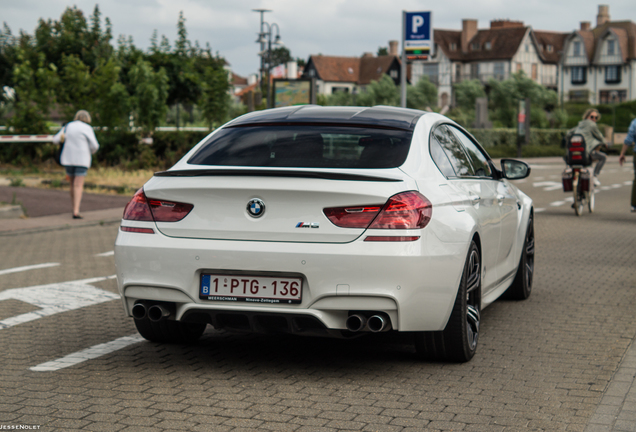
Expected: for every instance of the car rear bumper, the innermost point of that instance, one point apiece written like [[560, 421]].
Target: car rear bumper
[[414, 283]]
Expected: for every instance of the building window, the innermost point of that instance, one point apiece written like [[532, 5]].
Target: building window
[[431, 71], [611, 47], [475, 46], [579, 75], [612, 74], [453, 46], [474, 70], [337, 89], [500, 71], [393, 74], [527, 48], [577, 49], [488, 45], [549, 48], [579, 96], [613, 96]]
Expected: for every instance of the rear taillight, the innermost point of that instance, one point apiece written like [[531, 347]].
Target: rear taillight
[[168, 211], [141, 208], [407, 210], [137, 209], [352, 217]]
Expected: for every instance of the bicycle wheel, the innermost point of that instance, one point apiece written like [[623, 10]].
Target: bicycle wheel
[[590, 200], [578, 198]]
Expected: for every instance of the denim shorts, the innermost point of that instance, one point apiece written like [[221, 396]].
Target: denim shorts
[[76, 171]]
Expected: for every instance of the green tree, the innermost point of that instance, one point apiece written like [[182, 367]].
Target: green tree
[[148, 100], [382, 51], [467, 92], [505, 96], [422, 95], [382, 92], [34, 86], [76, 91], [215, 99], [280, 55]]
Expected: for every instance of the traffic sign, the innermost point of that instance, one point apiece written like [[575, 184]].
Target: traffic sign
[[418, 35]]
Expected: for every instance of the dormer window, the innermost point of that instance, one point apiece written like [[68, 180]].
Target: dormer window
[[611, 47], [453, 46], [576, 49], [475, 46], [549, 48], [488, 45]]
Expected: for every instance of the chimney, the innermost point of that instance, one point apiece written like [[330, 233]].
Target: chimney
[[393, 48], [367, 55], [585, 25], [497, 24], [469, 30], [603, 15]]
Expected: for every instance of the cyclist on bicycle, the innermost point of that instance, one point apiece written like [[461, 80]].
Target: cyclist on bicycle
[[593, 139]]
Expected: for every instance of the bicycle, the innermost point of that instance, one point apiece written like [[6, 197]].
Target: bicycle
[[577, 178]]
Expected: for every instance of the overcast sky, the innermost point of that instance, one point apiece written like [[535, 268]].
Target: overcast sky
[[329, 27]]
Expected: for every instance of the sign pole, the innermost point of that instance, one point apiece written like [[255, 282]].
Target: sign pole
[[403, 64]]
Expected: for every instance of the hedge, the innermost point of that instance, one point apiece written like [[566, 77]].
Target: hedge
[[123, 149], [117, 148]]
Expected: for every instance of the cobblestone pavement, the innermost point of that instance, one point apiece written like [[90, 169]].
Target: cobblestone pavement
[[564, 360]]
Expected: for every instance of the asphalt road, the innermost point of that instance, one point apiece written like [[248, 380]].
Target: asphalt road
[[563, 360]]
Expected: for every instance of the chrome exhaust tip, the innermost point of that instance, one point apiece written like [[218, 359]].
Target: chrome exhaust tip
[[378, 323], [356, 322], [157, 313], [139, 311]]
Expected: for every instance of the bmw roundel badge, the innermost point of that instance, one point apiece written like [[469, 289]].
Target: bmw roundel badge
[[255, 207]]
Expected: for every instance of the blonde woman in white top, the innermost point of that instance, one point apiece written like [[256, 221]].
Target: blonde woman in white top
[[79, 144]]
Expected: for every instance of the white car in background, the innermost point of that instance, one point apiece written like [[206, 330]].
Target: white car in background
[[328, 221]]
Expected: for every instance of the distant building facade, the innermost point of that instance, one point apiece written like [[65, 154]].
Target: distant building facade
[[505, 48], [599, 65], [351, 74]]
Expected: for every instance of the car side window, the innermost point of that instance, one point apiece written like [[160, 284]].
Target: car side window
[[440, 158], [477, 158], [454, 150]]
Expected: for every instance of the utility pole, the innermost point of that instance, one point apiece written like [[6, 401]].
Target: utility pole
[[263, 42]]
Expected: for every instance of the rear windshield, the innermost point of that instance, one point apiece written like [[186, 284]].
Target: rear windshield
[[305, 147]]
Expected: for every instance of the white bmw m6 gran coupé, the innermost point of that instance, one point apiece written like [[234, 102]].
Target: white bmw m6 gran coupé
[[328, 221]]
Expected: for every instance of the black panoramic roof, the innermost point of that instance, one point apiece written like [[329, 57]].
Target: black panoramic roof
[[378, 116]]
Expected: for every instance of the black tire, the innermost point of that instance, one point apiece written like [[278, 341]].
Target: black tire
[[168, 331], [458, 341], [522, 284]]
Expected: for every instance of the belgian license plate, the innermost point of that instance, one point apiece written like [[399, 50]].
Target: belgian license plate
[[251, 289]]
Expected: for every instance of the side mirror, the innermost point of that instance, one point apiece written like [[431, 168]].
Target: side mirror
[[513, 169]]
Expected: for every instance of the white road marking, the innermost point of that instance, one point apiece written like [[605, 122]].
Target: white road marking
[[557, 203], [628, 183], [87, 354], [56, 298], [548, 185], [26, 268], [106, 254], [616, 186], [539, 210]]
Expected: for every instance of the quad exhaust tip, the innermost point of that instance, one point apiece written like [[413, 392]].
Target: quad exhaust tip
[[376, 323], [158, 313], [139, 311], [356, 322]]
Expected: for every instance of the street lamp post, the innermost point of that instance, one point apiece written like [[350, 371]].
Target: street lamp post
[[265, 40]]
